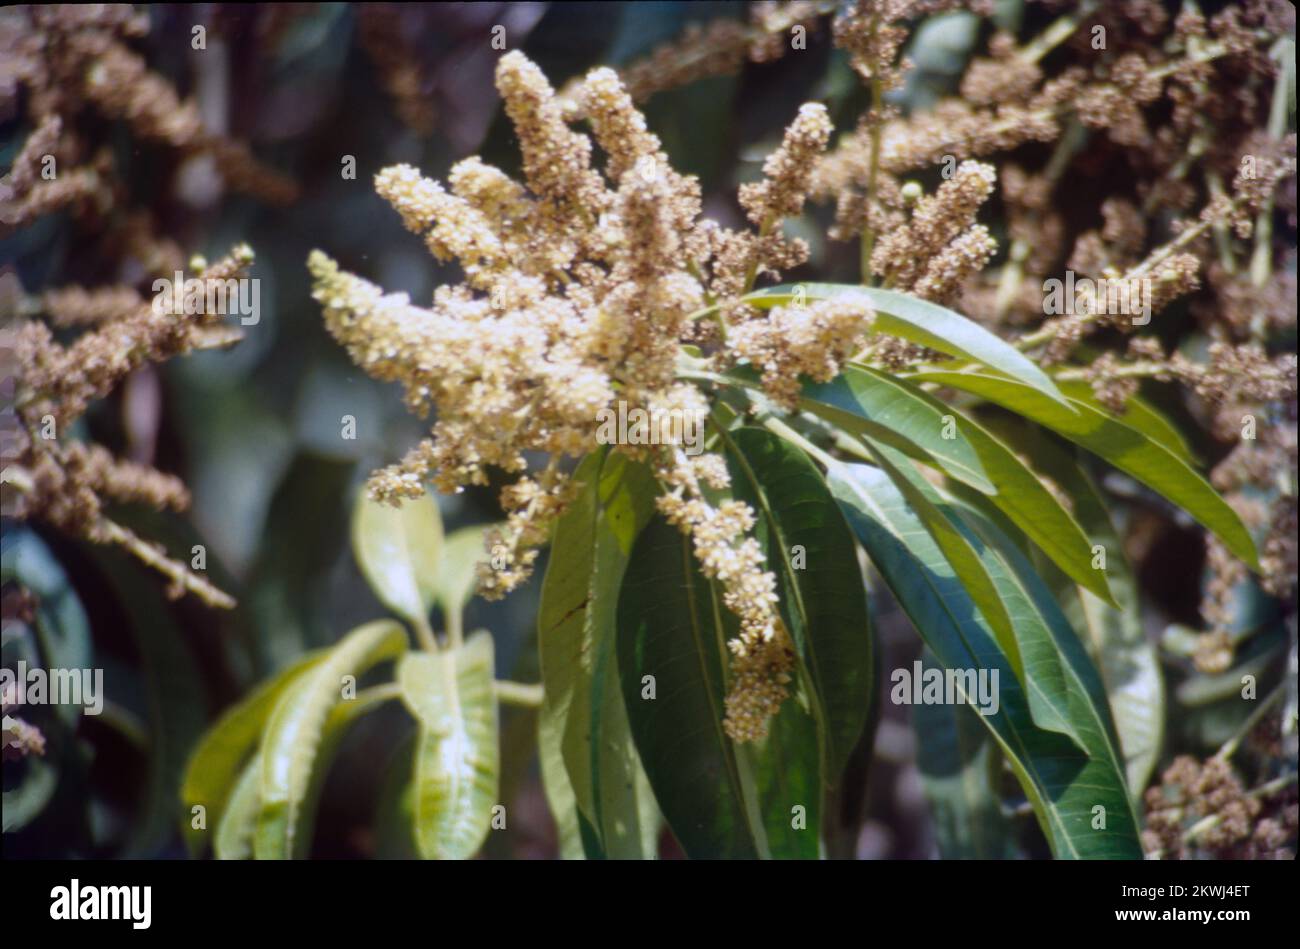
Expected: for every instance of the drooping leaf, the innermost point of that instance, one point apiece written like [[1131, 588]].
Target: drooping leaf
[[1128, 449], [457, 756], [787, 774], [923, 322], [1126, 659], [671, 655], [236, 823], [863, 402], [1138, 414], [236, 828], [583, 705], [962, 557], [295, 731], [1040, 673], [896, 413], [959, 764], [823, 601], [216, 764], [560, 798], [399, 549], [1076, 786]]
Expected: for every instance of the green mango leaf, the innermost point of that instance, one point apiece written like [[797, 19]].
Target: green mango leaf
[[962, 556], [1076, 785], [867, 401], [451, 695], [1130, 450], [237, 826], [1126, 659], [461, 553], [295, 731], [218, 759], [237, 822], [787, 773], [671, 639], [1138, 414], [960, 765], [399, 550], [823, 598], [582, 706], [919, 321], [561, 622], [1046, 687], [877, 405], [560, 797]]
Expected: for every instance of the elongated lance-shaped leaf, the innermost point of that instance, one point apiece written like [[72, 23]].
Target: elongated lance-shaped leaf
[[558, 789], [236, 829], [237, 823], [865, 401], [787, 774], [1138, 414], [399, 550], [671, 660], [582, 708], [960, 764], [1126, 659], [962, 556], [1042, 676], [561, 619], [823, 601], [221, 755], [293, 736], [923, 322], [457, 752], [1128, 449], [1078, 793]]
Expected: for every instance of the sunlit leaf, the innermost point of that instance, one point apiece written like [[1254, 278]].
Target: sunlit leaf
[[220, 757], [583, 704], [1128, 449], [920, 321], [399, 550], [450, 693], [295, 731]]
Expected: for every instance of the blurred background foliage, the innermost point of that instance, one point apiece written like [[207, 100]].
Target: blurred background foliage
[[255, 431]]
